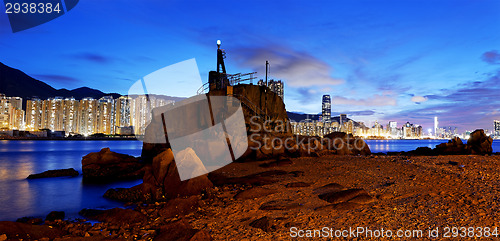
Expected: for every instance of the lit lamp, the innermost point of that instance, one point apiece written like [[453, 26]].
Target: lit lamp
[[218, 43]]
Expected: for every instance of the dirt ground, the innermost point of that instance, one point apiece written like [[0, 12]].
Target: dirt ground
[[424, 197]]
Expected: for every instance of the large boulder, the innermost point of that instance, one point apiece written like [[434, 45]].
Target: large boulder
[[479, 143], [19, 231], [264, 113], [455, 146], [162, 179], [108, 165], [118, 216], [346, 144]]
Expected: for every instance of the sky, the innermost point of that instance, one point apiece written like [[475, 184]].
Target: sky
[[378, 60]]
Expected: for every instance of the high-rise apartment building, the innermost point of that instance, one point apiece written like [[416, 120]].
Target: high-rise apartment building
[[53, 114], [70, 115], [11, 113], [106, 115], [326, 110], [87, 116], [276, 86], [34, 114], [496, 127], [122, 111]]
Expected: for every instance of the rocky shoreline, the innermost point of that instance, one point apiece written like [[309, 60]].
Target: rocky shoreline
[[271, 194], [390, 192]]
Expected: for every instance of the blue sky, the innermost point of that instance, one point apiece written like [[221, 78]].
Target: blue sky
[[379, 60]]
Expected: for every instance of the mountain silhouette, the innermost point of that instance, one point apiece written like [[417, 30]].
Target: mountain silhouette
[[14, 82]]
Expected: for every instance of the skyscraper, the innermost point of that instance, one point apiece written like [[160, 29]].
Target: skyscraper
[[496, 127], [436, 127], [326, 109]]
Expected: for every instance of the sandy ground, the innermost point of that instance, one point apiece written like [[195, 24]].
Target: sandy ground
[[450, 193]]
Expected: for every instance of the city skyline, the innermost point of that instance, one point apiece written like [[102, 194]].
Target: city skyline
[[130, 114], [379, 61]]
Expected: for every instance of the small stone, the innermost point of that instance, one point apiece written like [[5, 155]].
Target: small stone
[[332, 187], [263, 223]]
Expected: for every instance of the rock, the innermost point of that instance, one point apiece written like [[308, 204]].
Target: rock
[[108, 165], [201, 235], [342, 196], [297, 184], [332, 187], [55, 173], [279, 205], [30, 220], [55, 215], [258, 179], [181, 231], [363, 199], [277, 163], [479, 143], [118, 216], [421, 151], [17, 231], [179, 207], [132, 194], [254, 192], [297, 173], [162, 179], [263, 223], [346, 144], [454, 146], [255, 103]]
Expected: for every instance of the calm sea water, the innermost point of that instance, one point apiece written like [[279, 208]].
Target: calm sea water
[[385, 146], [20, 197]]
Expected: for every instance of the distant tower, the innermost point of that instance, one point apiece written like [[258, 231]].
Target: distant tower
[[435, 126], [326, 109], [496, 128]]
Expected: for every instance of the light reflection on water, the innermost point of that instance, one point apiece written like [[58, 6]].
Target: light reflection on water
[[385, 146], [21, 197]]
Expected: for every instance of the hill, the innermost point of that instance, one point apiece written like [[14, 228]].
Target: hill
[[14, 82]]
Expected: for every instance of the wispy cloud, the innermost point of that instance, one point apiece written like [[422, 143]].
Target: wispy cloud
[[375, 100], [93, 57], [473, 105], [356, 113], [56, 78], [298, 69], [419, 99], [491, 57]]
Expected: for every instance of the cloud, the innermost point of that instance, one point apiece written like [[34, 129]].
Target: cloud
[[57, 78], [362, 113], [375, 100], [298, 69], [91, 57], [491, 57], [473, 105], [419, 99]]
